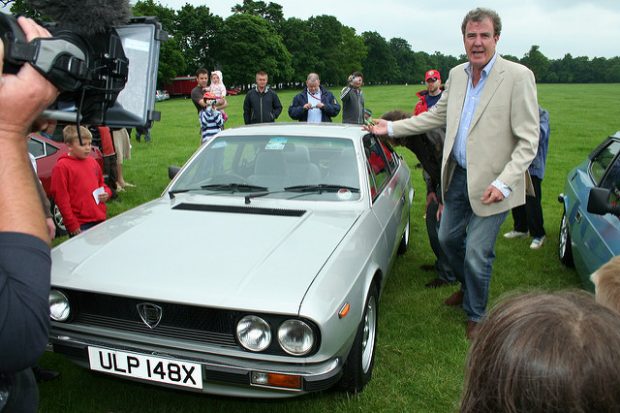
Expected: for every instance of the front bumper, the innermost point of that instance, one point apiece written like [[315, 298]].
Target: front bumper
[[222, 375]]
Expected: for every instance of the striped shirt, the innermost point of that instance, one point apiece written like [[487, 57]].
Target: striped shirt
[[211, 123]]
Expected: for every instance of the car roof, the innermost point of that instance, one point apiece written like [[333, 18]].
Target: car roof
[[330, 130], [42, 138]]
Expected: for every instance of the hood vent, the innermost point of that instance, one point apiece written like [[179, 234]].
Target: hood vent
[[241, 210]]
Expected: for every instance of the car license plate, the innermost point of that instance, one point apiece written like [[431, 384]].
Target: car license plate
[[179, 373]]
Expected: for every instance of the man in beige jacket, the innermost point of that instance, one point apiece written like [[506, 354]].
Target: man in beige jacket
[[490, 111]]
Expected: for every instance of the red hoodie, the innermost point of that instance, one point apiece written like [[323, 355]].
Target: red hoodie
[[73, 183]]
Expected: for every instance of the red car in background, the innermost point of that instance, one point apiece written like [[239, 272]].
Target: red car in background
[[46, 153]]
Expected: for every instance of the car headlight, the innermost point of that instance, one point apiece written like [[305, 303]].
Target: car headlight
[[59, 306], [295, 337], [254, 333]]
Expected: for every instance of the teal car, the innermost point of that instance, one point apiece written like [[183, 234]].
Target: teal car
[[590, 225]]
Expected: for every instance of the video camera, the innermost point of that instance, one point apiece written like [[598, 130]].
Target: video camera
[[107, 77]]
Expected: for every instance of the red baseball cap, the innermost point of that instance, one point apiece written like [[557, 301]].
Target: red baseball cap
[[209, 96], [432, 74]]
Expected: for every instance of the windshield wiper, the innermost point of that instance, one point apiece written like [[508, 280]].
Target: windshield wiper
[[180, 191], [234, 187], [320, 188]]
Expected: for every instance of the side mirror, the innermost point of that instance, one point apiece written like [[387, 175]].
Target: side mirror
[[598, 202], [173, 171]]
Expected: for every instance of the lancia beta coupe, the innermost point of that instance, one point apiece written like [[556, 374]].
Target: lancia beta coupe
[[259, 269]]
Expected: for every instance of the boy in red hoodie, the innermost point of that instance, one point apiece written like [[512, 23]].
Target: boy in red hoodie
[[77, 183]]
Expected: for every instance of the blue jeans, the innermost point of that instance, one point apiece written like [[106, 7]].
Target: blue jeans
[[469, 242]]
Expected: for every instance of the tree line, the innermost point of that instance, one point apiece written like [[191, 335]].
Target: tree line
[[258, 37]]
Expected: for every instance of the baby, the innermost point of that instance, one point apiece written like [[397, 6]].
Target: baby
[[218, 88]]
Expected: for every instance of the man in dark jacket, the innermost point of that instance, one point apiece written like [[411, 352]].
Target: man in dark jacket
[[261, 104], [314, 104]]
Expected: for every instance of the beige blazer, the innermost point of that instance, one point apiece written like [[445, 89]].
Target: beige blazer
[[503, 135]]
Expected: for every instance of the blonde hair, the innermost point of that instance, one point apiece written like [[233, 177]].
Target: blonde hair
[[607, 282], [70, 134]]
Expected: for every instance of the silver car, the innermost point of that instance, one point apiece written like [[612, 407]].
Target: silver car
[[259, 272]]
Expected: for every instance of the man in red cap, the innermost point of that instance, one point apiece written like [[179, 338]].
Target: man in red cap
[[431, 95]]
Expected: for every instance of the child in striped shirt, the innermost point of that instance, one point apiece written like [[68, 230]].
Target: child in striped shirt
[[211, 120]]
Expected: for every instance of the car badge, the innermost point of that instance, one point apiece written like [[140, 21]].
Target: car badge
[[150, 314]]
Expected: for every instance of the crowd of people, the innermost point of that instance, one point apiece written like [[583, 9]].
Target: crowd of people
[[534, 352], [314, 104]]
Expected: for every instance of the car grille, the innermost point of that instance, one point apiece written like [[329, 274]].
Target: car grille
[[178, 321]]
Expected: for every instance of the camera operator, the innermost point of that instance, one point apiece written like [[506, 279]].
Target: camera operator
[[24, 249]]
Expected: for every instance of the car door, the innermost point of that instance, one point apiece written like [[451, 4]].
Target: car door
[[599, 235], [388, 194]]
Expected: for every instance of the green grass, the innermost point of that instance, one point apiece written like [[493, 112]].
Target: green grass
[[421, 346]]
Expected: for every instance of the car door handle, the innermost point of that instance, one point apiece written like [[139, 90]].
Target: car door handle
[[578, 216]]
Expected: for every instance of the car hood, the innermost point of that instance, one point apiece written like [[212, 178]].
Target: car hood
[[246, 259]]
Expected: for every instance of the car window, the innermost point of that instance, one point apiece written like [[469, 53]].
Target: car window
[[50, 149], [276, 163], [375, 188], [611, 181], [601, 162], [392, 156], [381, 162], [36, 148]]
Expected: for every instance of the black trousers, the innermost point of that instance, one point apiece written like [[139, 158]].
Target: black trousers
[[529, 217], [110, 173], [23, 396]]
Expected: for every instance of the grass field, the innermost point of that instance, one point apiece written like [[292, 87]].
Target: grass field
[[421, 344]]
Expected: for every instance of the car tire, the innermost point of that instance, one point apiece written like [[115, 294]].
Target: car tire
[[357, 370], [61, 230], [565, 251], [404, 242]]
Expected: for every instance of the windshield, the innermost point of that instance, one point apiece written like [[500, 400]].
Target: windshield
[[274, 164]]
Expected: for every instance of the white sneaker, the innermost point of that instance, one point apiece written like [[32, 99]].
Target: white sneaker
[[537, 242], [516, 234]]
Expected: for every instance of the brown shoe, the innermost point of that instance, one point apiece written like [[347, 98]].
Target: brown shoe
[[472, 329], [455, 299]]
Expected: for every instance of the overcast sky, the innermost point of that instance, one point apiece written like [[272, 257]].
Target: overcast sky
[[579, 27]]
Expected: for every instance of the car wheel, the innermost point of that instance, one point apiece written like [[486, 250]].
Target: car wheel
[[404, 242], [61, 230], [360, 362], [565, 252]]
